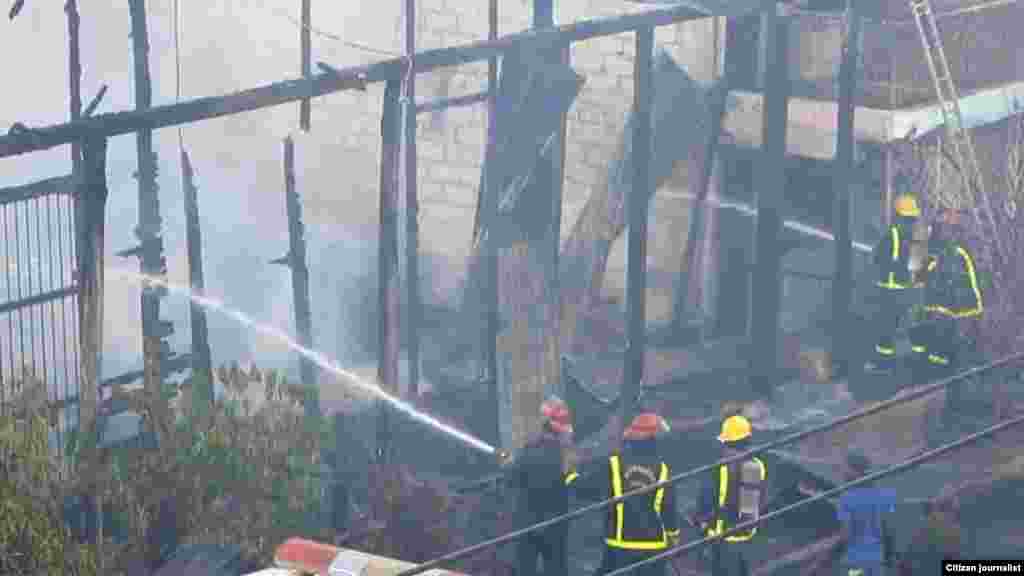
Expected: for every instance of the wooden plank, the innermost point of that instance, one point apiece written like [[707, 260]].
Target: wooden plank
[[636, 207], [60, 185], [765, 288], [306, 45], [843, 172], [388, 295], [334, 80]]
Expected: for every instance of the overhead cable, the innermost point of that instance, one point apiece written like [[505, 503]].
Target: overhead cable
[[901, 398], [895, 468]]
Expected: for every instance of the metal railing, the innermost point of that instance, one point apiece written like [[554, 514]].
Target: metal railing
[[901, 398]]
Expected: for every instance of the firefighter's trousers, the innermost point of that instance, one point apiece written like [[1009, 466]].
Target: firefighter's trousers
[[728, 559], [615, 558], [550, 546], [890, 306], [936, 342]]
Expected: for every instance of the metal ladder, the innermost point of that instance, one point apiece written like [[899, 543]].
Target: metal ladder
[[962, 147]]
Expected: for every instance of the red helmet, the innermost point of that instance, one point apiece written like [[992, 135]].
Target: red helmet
[[556, 414], [645, 426]]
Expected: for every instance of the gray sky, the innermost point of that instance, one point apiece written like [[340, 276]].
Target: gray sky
[[226, 45]]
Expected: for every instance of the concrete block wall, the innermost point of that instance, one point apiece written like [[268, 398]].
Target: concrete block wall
[[451, 143]]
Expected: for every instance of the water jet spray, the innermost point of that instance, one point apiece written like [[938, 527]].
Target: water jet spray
[[318, 358]]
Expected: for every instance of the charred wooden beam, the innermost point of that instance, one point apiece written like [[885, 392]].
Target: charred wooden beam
[[151, 261], [202, 366], [551, 173], [414, 305], [95, 102], [766, 283], [843, 174], [636, 207], [306, 42], [687, 289], [74, 76], [455, 102], [487, 205], [353, 78], [388, 295], [90, 209], [296, 261]]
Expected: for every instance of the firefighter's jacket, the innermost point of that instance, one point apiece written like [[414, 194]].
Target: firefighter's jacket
[[644, 522], [892, 257], [719, 501], [952, 288], [541, 487]]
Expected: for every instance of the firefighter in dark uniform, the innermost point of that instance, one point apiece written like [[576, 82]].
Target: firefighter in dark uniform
[[541, 477], [952, 294], [644, 525], [892, 257], [733, 494]]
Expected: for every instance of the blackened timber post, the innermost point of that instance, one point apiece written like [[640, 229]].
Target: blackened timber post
[[554, 171], [306, 45], [202, 367], [90, 211], [636, 211], [296, 260], [843, 168], [766, 282], [412, 229], [388, 294], [152, 262], [489, 208]]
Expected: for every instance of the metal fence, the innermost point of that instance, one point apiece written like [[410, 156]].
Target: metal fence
[[38, 298]]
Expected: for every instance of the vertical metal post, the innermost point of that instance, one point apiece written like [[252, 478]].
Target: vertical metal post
[[766, 282], [306, 45], [412, 228], [202, 369], [300, 279], [388, 295], [152, 262], [843, 167], [489, 200], [636, 212]]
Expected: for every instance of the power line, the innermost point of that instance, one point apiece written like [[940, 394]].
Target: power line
[[899, 467], [901, 398], [335, 37]]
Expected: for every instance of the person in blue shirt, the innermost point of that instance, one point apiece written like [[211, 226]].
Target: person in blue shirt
[[862, 513]]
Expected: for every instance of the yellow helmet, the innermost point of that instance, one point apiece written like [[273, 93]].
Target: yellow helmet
[[906, 205], [734, 429]]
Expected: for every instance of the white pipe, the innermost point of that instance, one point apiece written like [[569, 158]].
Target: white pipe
[[805, 229]]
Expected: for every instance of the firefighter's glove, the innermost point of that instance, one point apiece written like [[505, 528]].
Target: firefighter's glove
[[673, 538]]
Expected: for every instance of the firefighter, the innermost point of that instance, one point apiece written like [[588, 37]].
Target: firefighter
[[732, 494], [952, 293], [647, 524], [541, 477], [892, 257]]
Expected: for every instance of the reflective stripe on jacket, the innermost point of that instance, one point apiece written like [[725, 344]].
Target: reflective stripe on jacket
[[892, 256], [726, 513], [953, 288], [643, 522]]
